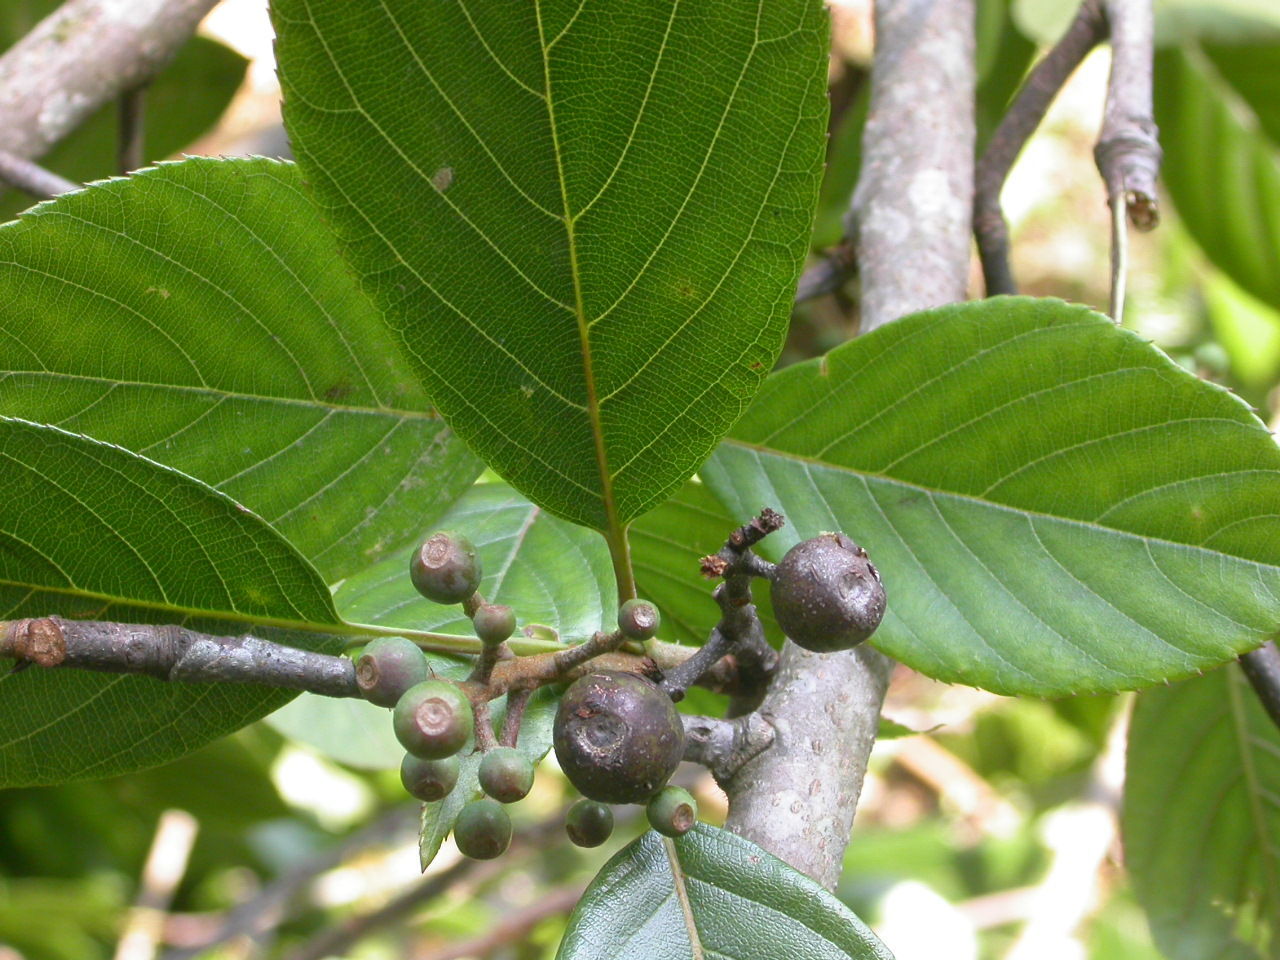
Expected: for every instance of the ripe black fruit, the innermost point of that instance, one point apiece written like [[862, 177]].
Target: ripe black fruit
[[639, 619], [506, 774], [494, 623], [589, 823], [429, 780], [483, 829], [672, 811], [826, 594], [445, 568], [388, 667], [433, 720], [617, 737]]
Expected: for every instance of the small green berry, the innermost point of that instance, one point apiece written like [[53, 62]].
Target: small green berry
[[589, 823], [389, 666], [506, 774], [494, 623], [445, 568], [483, 829], [672, 811], [639, 619], [433, 720], [429, 780]]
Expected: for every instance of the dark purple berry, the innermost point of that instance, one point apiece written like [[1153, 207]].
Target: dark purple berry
[[494, 623], [639, 619], [826, 594], [506, 774], [389, 666], [617, 737], [433, 720], [483, 829], [445, 568], [429, 780], [589, 823], [672, 811]]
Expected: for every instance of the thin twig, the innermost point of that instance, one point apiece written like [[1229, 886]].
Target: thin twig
[[836, 268], [1024, 115], [1262, 667], [517, 701], [166, 863], [33, 179], [1119, 262], [723, 746], [131, 136], [512, 929]]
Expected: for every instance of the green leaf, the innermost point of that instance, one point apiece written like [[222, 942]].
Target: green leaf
[[588, 226], [1003, 56], [1221, 170], [1054, 505], [196, 313], [550, 572], [182, 102], [1252, 72], [1202, 818], [666, 545], [534, 742], [710, 894], [92, 531]]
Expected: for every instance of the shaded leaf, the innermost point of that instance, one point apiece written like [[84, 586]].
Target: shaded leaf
[[1054, 505], [1202, 818], [548, 571], [588, 227], [90, 530], [197, 313], [1221, 169], [744, 904]]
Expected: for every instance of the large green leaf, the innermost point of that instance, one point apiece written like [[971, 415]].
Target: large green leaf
[[91, 530], [1202, 818], [182, 101], [197, 313], [1220, 167], [710, 894], [1054, 505], [585, 220]]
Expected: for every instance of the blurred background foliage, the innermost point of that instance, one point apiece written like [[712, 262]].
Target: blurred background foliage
[[988, 826]]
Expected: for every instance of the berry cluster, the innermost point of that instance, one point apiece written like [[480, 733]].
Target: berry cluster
[[617, 736]]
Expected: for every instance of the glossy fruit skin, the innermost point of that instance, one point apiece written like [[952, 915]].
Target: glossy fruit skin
[[618, 738], [389, 666], [672, 811], [494, 623], [429, 780], [506, 774], [588, 823], [433, 720], [483, 829], [445, 568], [826, 594], [639, 619]]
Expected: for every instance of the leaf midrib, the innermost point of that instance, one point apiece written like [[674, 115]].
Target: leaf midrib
[[935, 493], [223, 394]]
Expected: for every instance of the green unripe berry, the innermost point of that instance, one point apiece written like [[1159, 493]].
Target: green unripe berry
[[445, 568], [483, 829], [639, 619], [389, 666], [589, 823], [672, 811], [826, 594], [433, 720], [506, 774], [618, 738], [429, 780], [494, 623]]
